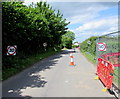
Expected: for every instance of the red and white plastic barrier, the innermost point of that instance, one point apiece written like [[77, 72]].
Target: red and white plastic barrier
[[105, 72]]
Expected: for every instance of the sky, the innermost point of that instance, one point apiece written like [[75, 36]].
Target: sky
[[93, 18]]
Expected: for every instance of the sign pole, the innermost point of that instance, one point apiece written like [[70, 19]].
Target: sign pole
[[45, 45]]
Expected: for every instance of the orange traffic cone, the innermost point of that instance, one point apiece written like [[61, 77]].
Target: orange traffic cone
[[71, 61], [71, 55]]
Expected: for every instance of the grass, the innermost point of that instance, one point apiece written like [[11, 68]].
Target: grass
[[90, 57], [22, 64]]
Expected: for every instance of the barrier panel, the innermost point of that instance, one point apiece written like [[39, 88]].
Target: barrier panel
[[105, 72]]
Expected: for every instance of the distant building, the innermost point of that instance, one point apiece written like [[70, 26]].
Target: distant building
[[76, 43]]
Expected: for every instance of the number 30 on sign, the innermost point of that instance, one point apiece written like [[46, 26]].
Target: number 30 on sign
[[101, 46], [11, 50]]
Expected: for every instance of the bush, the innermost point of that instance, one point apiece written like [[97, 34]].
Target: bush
[[91, 48]]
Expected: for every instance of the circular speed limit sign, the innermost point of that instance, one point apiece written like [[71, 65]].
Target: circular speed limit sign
[[11, 50], [44, 44], [101, 46]]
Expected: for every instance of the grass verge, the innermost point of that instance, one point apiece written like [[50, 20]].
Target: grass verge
[[90, 57], [22, 64]]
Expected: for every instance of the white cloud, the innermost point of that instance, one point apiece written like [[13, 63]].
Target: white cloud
[[107, 24], [92, 25], [82, 18], [78, 12], [81, 12], [113, 29], [96, 28]]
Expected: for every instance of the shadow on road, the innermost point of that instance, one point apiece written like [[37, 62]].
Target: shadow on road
[[29, 78]]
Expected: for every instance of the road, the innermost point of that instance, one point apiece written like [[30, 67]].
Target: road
[[54, 77]]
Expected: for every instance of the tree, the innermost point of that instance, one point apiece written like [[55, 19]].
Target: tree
[[67, 39], [29, 27]]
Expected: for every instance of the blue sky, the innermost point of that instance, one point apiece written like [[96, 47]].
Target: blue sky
[[88, 18]]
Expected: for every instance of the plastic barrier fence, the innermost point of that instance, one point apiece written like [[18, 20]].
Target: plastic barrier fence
[[105, 72]]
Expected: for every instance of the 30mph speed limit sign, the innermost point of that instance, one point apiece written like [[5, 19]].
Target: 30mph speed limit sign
[[44, 44], [11, 50], [101, 46]]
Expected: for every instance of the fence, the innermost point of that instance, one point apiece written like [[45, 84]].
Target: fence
[[108, 51]]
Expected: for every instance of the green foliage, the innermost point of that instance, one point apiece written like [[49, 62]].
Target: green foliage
[[29, 27], [116, 75], [112, 44], [91, 48], [90, 57], [74, 46], [67, 39]]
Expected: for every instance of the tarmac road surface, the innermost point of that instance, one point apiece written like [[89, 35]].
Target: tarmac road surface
[[54, 77]]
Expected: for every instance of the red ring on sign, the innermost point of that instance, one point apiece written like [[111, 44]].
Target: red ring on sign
[[12, 53], [103, 44]]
